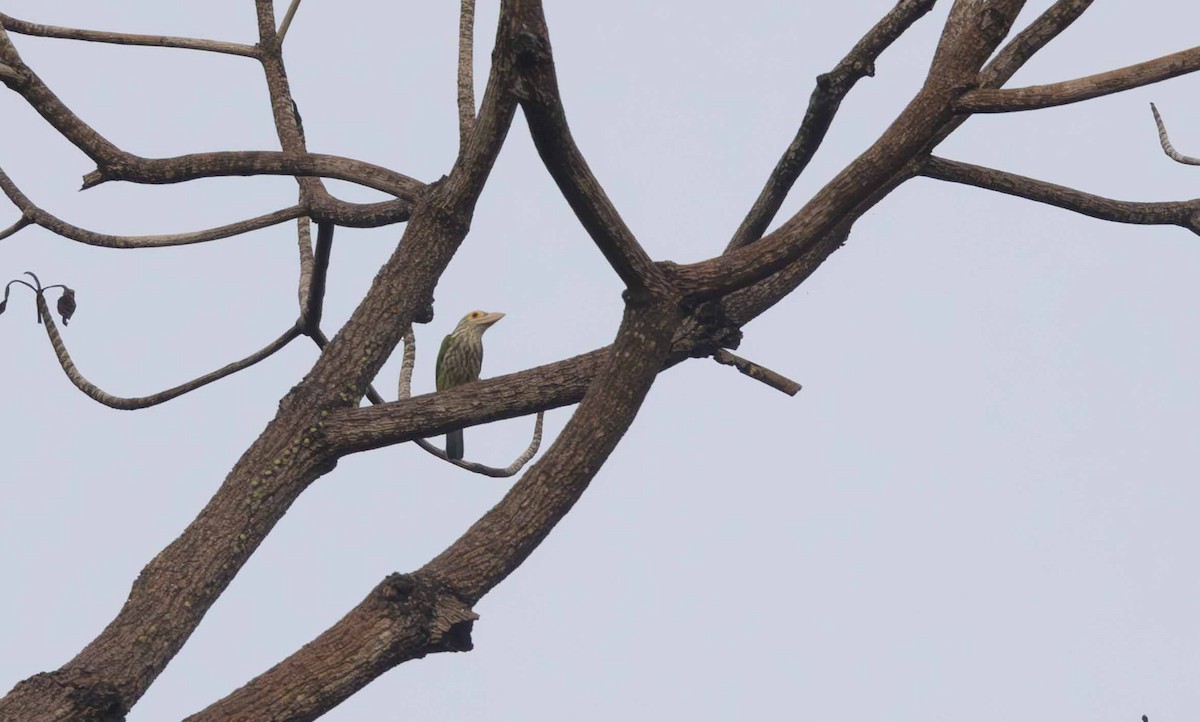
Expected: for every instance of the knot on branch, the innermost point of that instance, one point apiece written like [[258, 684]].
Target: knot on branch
[[89, 699], [993, 24], [531, 48], [453, 622], [448, 621], [706, 330]]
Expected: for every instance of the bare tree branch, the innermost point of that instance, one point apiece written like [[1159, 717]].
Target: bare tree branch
[[1185, 214], [466, 71], [112, 162], [972, 32], [315, 303], [287, 20], [541, 388], [141, 402], [34, 214], [54, 111], [12, 230], [181, 583], [762, 374], [1025, 44], [1166, 142], [748, 303], [823, 105], [991, 100], [542, 103], [304, 244], [101, 36], [495, 472], [410, 616], [257, 162]]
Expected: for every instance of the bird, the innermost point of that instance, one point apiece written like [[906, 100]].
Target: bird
[[460, 360]]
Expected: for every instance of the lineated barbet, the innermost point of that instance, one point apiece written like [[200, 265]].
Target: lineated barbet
[[459, 361]]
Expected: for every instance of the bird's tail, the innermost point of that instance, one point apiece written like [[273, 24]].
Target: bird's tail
[[454, 444]]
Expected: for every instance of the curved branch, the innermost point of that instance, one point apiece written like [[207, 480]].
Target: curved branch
[[1185, 214], [34, 214], [26, 82], [404, 391], [1165, 142], [493, 471], [179, 169], [823, 105], [140, 402], [1034, 97], [113, 162], [100, 36], [12, 230]]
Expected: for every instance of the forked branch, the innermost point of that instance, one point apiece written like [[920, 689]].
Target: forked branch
[[542, 103], [823, 105]]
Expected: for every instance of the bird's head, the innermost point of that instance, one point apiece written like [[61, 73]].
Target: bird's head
[[478, 321]]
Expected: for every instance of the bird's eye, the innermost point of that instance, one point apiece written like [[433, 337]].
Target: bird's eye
[[476, 314]]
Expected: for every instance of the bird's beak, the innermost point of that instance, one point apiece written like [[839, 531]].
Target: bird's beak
[[491, 318]]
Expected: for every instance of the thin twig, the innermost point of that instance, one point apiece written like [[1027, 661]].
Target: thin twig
[[1034, 97], [100, 36], [823, 105], [141, 402], [287, 20], [466, 72], [1185, 214], [1164, 141], [34, 214], [758, 373], [484, 470], [22, 222]]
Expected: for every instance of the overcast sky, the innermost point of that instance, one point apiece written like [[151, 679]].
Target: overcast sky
[[981, 506]]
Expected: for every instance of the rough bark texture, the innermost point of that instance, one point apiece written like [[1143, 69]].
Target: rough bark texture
[[673, 313]]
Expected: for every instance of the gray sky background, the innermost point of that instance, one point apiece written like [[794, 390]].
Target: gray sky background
[[981, 506]]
